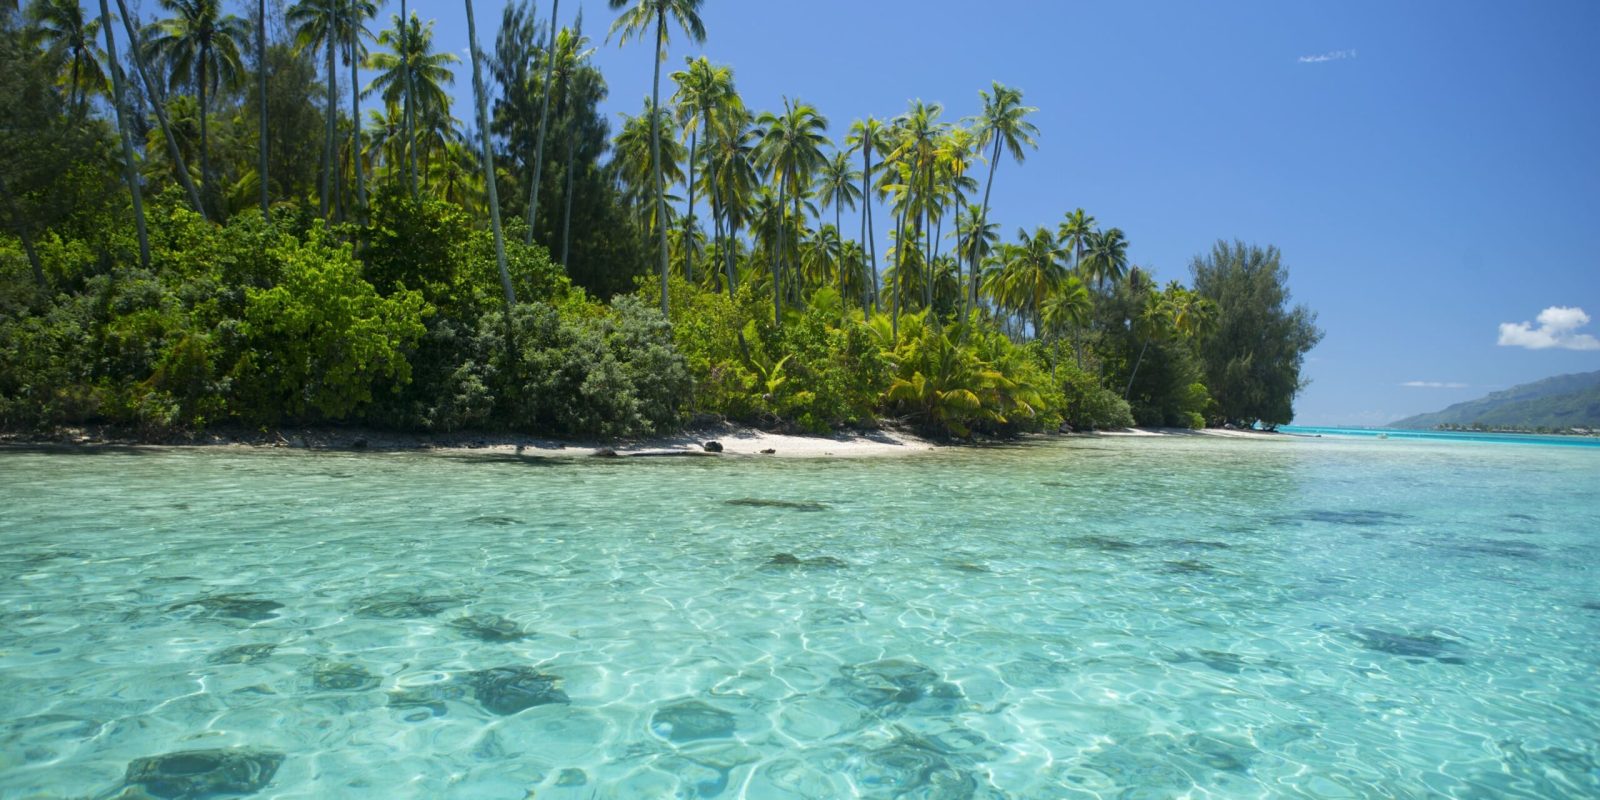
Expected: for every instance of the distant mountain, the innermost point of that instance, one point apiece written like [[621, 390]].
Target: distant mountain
[[1565, 401]]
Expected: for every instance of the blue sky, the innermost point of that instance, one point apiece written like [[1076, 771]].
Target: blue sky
[[1430, 170]]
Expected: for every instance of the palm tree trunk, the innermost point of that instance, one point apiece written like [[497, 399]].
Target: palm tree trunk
[[1135, 373], [572, 142], [899, 276], [655, 150], [544, 120], [328, 159], [21, 225], [688, 217], [777, 254], [208, 192], [983, 222], [411, 120], [124, 125], [355, 117], [838, 233], [137, 51], [261, 78], [488, 173], [866, 206], [872, 238]]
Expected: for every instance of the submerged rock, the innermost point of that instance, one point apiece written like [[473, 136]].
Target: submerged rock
[[1409, 645], [334, 676], [242, 654], [429, 699], [1222, 661], [691, 721], [1187, 566], [195, 774], [401, 605], [1358, 517], [1105, 544], [789, 560], [232, 606], [893, 687], [489, 628], [911, 766], [792, 505], [507, 690], [494, 519]]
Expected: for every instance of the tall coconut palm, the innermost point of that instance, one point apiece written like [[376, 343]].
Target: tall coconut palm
[[488, 173], [68, 37], [408, 64], [200, 43], [976, 238], [1033, 270], [1105, 256], [1068, 309], [261, 82], [357, 12], [791, 152], [837, 188], [571, 57], [544, 121], [637, 17], [317, 23], [704, 93], [124, 127], [1003, 124], [1074, 232], [137, 50], [735, 174], [916, 135], [867, 135], [638, 161]]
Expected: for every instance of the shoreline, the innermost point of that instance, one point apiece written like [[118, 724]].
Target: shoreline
[[735, 440]]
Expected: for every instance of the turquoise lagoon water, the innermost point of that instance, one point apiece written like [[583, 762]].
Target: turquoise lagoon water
[[1088, 618]]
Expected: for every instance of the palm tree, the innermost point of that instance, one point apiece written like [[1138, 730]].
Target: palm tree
[[261, 80], [1105, 256], [488, 175], [137, 50], [571, 56], [704, 94], [544, 122], [60, 27], [201, 43], [837, 188], [735, 176], [791, 150], [1074, 232], [1068, 308], [411, 76], [637, 165], [976, 238], [1003, 123], [316, 24], [1032, 272], [357, 12], [633, 22], [915, 155], [867, 135], [129, 168]]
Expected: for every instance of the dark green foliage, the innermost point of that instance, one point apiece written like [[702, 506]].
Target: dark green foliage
[[1252, 357], [1087, 405]]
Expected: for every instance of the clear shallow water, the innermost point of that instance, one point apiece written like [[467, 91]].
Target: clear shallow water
[[1479, 437], [1088, 618]]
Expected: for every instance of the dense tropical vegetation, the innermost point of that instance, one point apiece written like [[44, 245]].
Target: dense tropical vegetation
[[197, 227]]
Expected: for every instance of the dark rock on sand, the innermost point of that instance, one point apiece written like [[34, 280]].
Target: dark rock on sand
[[195, 774], [507, 690], [232, 606], [792, 505], [691, 721], [333, 676], [489, 628], [242, 654], [712, 447], [401, 605]]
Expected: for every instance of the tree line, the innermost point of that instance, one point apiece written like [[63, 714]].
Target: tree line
[[201, 226]]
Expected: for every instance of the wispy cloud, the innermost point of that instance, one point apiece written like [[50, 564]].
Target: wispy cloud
[[1334, 55], [1557, 328], [1435, 385]]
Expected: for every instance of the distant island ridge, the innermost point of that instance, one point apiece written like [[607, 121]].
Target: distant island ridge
[[1561, 403]]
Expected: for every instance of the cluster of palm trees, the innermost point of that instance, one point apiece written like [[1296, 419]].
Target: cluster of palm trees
[[776, 185]]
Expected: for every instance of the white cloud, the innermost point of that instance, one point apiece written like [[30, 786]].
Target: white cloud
[[1558, 327], [1334, 55], [1434, 385]]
